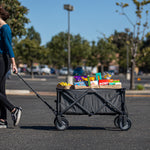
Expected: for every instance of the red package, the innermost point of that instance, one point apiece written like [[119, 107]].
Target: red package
[[103, 82]]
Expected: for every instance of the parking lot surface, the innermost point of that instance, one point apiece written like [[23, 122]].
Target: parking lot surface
[[36, 130]]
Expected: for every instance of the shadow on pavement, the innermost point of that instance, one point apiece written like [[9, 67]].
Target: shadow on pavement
[[70, 128]]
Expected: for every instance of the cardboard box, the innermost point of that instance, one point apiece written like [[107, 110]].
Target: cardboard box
[[110, 86]]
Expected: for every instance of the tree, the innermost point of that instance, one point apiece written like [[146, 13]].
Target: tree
[[28, 52], [136, 30], [92, 57], [143, 56], [44, 56], [80, 49], [17, 18], [105, 52], [58, 49], [33, 35], [122, 41]]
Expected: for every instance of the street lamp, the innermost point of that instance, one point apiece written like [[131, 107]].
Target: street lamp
[[68, 8], [127, 30]]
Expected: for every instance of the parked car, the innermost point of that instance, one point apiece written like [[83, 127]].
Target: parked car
[[35, 70], [52, 71], [78, 71], [64, 71], [44, 69], [111, 72], [140, 73], [22, 70]]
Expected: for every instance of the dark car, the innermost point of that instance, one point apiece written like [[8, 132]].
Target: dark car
[[22, 69], [78, 71], [53, 71]]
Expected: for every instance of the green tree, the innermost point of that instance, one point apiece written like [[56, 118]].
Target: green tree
[[143, 56], [28, 51], [33, 35], [58, 49], [122, 41], [44, 56], [105, 52], [80, 50], [17, 19], [92, 57], [137, 38]]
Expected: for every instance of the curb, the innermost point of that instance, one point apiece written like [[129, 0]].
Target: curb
[[17, 92], [138, 91], [35, 79], [27, 92]]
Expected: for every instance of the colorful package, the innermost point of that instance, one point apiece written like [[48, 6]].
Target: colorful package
[[93, 83], [79, 78], [82, 83], [103, 82]]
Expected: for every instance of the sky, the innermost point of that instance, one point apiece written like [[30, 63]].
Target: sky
[[90, 18]]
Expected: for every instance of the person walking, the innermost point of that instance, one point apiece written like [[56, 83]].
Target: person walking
[[6, 58]]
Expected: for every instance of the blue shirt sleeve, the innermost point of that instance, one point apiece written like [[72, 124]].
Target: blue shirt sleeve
[[7, 39]]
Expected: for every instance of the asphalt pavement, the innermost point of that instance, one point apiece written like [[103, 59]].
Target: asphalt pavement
[[36, 130]]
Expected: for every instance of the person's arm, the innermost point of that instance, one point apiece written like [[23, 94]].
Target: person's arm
[[14, 67], [7, 39], [8, 46]]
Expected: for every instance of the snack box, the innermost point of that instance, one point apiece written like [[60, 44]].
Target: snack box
[[111, 86], [118, 83], [86, 78], [112, 83], [103, 82], [79, 78], [93, 83], [82, 83]]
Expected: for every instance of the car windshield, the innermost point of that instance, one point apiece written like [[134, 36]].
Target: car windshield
[[42, 67], [33, 67], [79, 68], [64, 69]]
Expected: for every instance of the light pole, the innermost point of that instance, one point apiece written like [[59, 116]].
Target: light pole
[[69, 8], [128, 72]]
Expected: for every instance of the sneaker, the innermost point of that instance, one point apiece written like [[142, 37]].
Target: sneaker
[[3, 124], [16, 115]]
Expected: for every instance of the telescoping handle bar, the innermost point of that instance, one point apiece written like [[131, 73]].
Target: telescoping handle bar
[[53, 110]]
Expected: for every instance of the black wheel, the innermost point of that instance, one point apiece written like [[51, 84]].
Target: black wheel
[[61, 124], [116, 121], [125, 125]]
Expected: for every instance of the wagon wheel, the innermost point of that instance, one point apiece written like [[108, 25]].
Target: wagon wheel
[[124, 126], [61, 124], [116, 121]]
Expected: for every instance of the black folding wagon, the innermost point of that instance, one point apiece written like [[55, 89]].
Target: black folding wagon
[[91, 102], [88, 101]]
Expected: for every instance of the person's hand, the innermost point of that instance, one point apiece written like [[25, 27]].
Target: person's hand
[[14, 69]]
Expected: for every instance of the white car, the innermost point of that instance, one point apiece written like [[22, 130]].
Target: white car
[[64, 71], [35, 70], [44, 69]]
